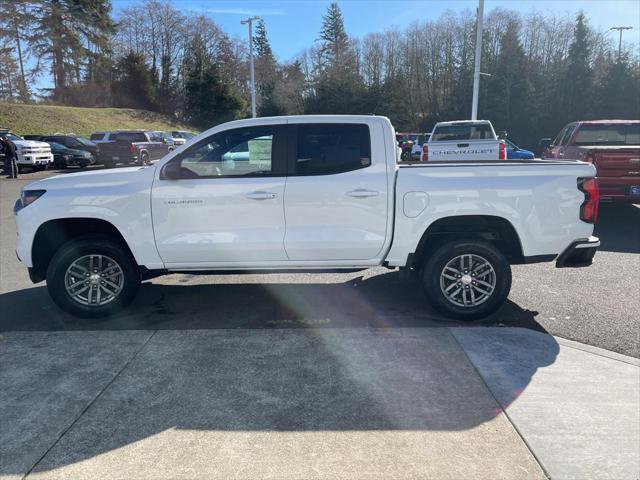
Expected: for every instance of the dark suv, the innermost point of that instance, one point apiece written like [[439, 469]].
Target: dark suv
[[132, 146]]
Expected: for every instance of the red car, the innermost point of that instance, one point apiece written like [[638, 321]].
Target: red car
[[405, 142], [613, 146]]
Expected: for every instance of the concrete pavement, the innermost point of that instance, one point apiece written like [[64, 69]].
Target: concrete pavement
[[315, 403]]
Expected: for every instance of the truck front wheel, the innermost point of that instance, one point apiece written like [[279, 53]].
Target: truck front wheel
[[467, 279], [92, 277]]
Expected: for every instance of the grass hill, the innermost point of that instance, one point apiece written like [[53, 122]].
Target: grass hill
[[48, 119]]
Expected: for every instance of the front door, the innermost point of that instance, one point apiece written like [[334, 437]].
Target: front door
[[227, 205], [336, 196]]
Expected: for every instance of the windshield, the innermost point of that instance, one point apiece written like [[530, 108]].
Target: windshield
[[84, 141], [462, 132], [56, 146], [13, 136], [96, 136], [611, 134], [131, 137]]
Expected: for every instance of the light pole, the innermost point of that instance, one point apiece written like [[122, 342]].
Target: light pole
[[476, 70], [620, 29], [249, 21]]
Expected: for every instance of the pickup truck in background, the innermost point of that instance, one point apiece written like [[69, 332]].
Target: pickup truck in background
[[31, 154], [306, 193], [612, 146], [463, 140], [135, 146]]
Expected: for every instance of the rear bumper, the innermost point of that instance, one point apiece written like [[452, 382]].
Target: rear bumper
[[579, 254], [618, 189]]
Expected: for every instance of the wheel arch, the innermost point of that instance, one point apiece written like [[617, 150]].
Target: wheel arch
[[490, 228], [53, 234]]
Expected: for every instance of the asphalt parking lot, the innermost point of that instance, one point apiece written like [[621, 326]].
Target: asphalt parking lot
[[289, 376], [599, 305]]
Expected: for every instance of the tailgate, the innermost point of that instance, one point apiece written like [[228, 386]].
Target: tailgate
[[623, 162], [464, 150], [115, 148]]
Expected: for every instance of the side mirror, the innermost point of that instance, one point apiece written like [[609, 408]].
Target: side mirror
[[171, 171], [544, 143]]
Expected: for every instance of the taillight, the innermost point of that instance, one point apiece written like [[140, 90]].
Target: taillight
[[589, 208], [425, 153], [502, 152], [133, 148]]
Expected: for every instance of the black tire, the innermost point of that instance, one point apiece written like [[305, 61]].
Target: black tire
[[144, 159], [108, 164], [405, 156], [435, 265], [82, 247]]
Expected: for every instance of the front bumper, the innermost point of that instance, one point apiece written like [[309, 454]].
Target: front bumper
[[35, 159], [579, 254]]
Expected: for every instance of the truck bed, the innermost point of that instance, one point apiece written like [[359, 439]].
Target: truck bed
[[535, 196]]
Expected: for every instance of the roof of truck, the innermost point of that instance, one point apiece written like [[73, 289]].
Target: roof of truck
[[608, 121], [463, 122]]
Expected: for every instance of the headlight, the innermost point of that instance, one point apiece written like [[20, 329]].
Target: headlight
[[27, 197]]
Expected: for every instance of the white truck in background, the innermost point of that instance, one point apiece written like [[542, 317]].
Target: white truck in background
[[306, 193], [30, 154], [463, 140]]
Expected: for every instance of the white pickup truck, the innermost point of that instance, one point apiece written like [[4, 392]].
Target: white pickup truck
[[30, 154], [309, 193], [463, 140]]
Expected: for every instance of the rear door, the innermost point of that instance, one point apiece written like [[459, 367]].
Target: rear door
[[224, 210], [336, 195]]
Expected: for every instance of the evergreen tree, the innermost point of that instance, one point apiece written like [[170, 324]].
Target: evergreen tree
[[62, 29], [338, 87], [261, 44], [134, 84], [618, 94], [16, 19], [334, 47], [578, 81], [508, 89], [208, 98], [267, 75]]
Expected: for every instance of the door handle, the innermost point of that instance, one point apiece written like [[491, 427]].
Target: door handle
[[261, 195], [362, 193]]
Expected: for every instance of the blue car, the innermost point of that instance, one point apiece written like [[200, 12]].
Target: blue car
[[516, 153]]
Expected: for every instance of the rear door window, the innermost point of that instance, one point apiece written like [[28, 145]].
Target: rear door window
[[329, 148], [462, 132]]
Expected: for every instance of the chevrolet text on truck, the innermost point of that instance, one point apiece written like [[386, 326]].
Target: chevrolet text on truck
[[463, 140], [305, 193]]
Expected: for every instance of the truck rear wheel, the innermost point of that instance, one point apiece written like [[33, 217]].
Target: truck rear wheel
[[92, 277], [467, 279]]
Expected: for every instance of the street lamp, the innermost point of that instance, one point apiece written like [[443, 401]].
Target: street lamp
[[249, 21], [476, 70]]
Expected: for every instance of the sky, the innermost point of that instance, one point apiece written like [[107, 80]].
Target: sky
[[294, 25]]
